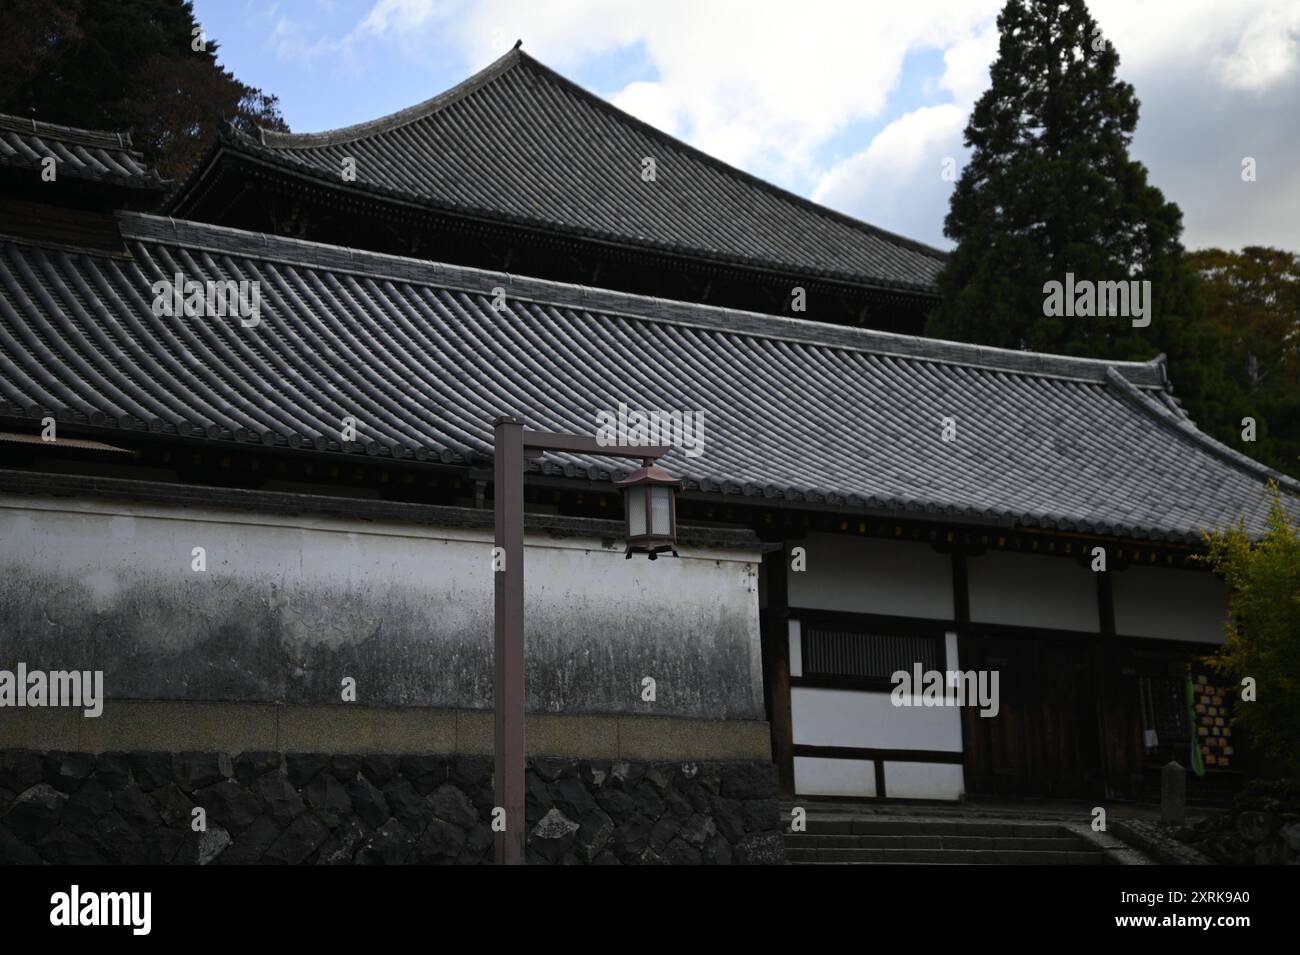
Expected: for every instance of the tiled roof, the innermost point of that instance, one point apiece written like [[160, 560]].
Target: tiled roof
[[793, 410], [95, 155], [520, 143]]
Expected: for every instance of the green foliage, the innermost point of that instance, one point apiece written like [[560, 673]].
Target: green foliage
[[1252, 304], [1263, 633], [124, 64]]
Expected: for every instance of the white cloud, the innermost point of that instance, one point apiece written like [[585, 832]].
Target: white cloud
[[767, 85]]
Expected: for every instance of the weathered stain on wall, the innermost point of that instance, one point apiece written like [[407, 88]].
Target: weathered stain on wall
[[288, 607]]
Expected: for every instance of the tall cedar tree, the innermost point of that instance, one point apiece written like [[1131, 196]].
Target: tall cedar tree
[[1050, 189], [124, 64]]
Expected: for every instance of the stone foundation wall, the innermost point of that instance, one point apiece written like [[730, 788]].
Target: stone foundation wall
[[305, 809]]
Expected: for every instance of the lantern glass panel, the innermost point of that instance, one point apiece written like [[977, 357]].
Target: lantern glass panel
[[661, 502], [636, 515]]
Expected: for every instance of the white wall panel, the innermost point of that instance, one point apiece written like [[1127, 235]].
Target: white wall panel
[[923, 780], [865, 575], [815, 776], [827, 717], [1170, 604], [1032, 590]]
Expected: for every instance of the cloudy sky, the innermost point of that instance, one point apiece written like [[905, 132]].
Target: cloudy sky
[[854, 103]]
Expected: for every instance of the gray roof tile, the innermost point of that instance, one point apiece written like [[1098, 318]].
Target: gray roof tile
[[90, 154], [794, 410], [519, 142]]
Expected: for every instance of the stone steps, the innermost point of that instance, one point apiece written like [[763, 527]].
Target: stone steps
[[916, 840]]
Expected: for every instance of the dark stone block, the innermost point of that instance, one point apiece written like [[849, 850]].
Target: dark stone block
[[766, 848], [35, 813], [296, 843], [572, 797], [115, 839], [553, 836], [479, 842], [450, 805], [113, 770], [761, 815], [617, 803], [13, 851], [699, 830], [441, 842], [471, 772], [249, 766], [594, 834], [64, 847], [551, 768], [200, 770], [134, 806], [538, 800], [329, 798], [729, 817], [228, 805], [647, 800], [660, 776], [151, 770], [252, 843], [380, 770], [408, 806], [717, 851], [594, 774], [20, 770], [606, 858], [65, 771], [87, 804], [301, 768], [678, 805], [633, 837], [752, 780], [679, 852], [173, 806], [425, 773], [342, 845], [391, 845], [663, 832], [345, 768], [626, 775], [368, 802], [280, 800], [210, 845]]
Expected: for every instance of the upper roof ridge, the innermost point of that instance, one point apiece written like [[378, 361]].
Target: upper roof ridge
[[343, 134]]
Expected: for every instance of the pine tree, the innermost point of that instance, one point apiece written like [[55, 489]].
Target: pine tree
[[1050, 189]]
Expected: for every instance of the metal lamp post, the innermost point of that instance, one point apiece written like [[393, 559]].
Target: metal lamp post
[[652, 528]]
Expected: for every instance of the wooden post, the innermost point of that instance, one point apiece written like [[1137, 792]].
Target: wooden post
[[508, 683]]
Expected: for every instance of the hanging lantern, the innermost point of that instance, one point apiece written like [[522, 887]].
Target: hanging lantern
[[650, 503]]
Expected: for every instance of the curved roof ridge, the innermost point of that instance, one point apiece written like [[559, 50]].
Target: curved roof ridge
[[1184, 426], [112, 139], [224, 239], [403, 117], [726, 167]]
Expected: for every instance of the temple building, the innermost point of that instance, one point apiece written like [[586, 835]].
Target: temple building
[[241, 513]]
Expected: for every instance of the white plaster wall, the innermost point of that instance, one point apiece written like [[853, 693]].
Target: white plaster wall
[[1170, 604], [1032, 590], [411, 603], [834, 717], [865, 575], [817, 776], [923, 780]]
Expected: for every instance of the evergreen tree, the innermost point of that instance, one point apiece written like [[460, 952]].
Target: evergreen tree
[[124, 64], [1049, 190]]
